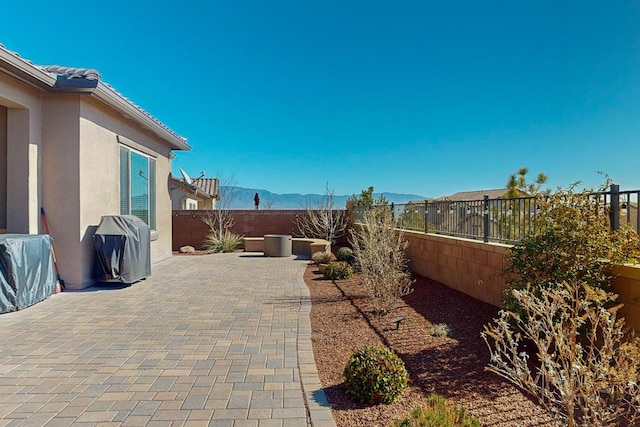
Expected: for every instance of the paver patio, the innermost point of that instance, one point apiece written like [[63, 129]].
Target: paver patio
[[215, 340]]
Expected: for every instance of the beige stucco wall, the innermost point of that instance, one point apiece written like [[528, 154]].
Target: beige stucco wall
[[24, 135], [179, 194], [60, 183], [61, 151], [101, 132]]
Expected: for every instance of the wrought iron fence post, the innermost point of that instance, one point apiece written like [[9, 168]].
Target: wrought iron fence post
[[615, 207], [426, 211], [486, 218]]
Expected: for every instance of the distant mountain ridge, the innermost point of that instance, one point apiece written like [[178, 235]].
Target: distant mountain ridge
[[243, 199]]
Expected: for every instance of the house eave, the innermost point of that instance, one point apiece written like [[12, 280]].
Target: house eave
[[107, 95], [24, 71]]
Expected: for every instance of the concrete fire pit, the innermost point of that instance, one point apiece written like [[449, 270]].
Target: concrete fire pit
[[277, 245]]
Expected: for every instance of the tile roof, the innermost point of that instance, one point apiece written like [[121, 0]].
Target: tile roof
[[210, 186], [103, 91], [73, 73], [474, 195]]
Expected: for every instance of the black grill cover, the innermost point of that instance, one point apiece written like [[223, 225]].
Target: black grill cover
[[27, 274], [123, 246]]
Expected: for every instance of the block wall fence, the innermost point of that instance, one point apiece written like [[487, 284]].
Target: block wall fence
[[188, 228], [473, 267]]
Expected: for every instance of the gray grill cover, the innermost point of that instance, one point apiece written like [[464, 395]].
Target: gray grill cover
[[123, 246], [27, 274]]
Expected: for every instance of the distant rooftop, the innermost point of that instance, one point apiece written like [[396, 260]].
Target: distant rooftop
[[474, 195]]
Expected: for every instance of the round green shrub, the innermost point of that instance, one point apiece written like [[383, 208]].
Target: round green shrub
[[338, 270], [345, 254], [375, 375]]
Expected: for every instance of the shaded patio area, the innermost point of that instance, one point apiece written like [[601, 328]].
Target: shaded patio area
[[216, 340]]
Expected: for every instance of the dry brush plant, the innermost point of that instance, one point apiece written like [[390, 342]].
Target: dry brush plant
[[322, 219], [583, 378], [379, 253], [221, 219]]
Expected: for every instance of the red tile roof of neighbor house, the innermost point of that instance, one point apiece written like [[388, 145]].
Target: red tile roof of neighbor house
[[208, 187], [211, 186]]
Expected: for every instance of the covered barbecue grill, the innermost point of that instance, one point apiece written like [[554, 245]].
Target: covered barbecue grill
[[123, 246], [27, 275]]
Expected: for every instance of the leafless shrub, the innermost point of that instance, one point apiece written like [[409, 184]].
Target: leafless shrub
[[221, 219], [322, 219], [379, 252], [586, 372]]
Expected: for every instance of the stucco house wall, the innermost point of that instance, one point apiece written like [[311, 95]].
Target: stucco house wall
[[61, 150]]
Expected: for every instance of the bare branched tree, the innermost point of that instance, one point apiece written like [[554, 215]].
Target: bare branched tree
[[268, 204], [379, 251], [221, 219], [322, 219], [583, 378]]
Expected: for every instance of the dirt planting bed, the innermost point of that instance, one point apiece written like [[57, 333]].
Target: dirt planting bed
[[452, 366]]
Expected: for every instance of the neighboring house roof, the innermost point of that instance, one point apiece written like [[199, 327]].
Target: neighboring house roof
[[57, 79], [476, 195], [207, 187], [211, 186]]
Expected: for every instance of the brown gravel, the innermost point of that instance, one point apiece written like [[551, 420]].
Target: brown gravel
[[453, 366]]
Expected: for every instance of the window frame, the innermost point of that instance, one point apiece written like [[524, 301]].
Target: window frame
[[126, 176]]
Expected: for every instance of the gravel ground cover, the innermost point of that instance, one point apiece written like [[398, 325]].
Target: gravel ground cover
[[452, 366]]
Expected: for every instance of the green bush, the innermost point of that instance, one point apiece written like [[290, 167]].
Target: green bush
[[375, 375], [570, 243], [345, 254], [322, 257], [229, 242], [438, 414], [338, 270]]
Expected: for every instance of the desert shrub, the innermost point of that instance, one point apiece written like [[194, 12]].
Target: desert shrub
[[441, 330], [379, 251], [436, 413], [587, 371], [338, 270], [345, 254], [228, 242], [375, 375], [322, 219], [322, 257], [570, 243]]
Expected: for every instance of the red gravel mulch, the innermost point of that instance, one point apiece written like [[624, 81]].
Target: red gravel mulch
[[342, 322]]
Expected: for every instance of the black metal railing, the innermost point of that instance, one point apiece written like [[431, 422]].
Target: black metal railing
[[504, 220]]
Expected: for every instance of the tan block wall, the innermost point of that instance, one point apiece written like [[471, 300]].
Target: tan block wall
[[469, 266], [627, 286], [474, 267]]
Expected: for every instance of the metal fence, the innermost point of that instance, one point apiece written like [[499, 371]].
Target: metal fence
[[503, 220]]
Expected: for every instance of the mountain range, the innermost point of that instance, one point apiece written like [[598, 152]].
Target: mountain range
[[242, 198]]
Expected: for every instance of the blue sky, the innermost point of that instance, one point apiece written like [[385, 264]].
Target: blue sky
[[422, 97]]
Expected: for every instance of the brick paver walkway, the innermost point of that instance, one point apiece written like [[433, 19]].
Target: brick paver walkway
[[216, 340]]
